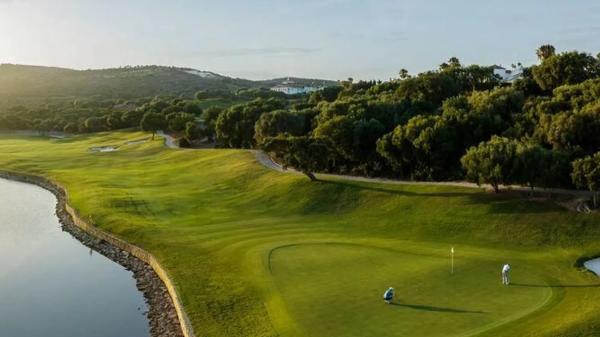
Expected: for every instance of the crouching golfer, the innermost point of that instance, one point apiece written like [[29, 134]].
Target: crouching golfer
[[388, 296], [505, 271]]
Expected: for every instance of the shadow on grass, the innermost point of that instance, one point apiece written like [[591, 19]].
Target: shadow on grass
[[554, 285], [498, 203], [392, 190], [436, 309]]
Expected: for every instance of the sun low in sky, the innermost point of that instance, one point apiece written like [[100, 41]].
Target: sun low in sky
[[332, 39]]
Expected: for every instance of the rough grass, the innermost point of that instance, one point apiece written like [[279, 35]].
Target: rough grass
[[259, 253]]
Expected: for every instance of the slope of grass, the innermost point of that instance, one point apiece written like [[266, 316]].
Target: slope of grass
[[259, 253]]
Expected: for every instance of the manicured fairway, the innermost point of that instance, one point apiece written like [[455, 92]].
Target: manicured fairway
[[260, 253]]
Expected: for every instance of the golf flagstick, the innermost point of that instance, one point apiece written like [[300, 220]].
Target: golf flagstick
[[452, 260]]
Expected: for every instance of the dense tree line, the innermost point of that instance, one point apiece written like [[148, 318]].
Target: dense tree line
[[96, 114], [455, 122], [102, 115]]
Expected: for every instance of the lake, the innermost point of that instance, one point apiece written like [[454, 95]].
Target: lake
[[53, 286]]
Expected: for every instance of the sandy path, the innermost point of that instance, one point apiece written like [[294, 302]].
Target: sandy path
[[266, 161], [170, 142]]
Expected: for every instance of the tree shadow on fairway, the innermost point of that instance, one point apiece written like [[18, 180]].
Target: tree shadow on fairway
[[497, 203], [527, 285], [436, 309], [396, 189]]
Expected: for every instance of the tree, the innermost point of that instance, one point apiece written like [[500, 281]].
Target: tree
[[192, 108], [271, 124], [305, 154], [95, 124], [201, 95], [235, 126], [177, 120], [499, 103], [530, 161], [132, 118], [192, 132], [425, 148], [479, 78], [153, 122], [575, 97], [4, 123], [545, 51], [555, 170], [365, 136], [527, 84], [403, 74], [114, 121], [209, 119], [339, 130], [538, 166], [577, 132], [43, 125], [586, 174], [328, 94], [566, 68], [452, 63], [157, 105], [493, 162], [70, 128]]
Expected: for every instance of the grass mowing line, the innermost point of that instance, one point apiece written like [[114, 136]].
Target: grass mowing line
[[552, 299]]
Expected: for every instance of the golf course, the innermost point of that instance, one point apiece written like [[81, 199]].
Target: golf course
[[256, 252]]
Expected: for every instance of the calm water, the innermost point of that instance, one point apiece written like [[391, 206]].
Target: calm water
[[53, 286]]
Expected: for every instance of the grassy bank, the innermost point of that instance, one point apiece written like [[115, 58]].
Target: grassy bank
[[260, 253]]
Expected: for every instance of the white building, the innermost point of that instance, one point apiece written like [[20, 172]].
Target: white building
[[290, 87], [508, 75]]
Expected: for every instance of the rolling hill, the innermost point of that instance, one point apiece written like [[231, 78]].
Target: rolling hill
[[24, 81]]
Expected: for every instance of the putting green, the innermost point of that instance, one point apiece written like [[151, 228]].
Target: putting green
[[336, 290]]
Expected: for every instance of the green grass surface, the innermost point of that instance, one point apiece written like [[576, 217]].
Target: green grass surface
[[260, 253]]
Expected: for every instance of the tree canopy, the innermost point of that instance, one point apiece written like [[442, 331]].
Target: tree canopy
[[586, 174]]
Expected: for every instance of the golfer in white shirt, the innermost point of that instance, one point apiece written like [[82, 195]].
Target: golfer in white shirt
[[505, 271]]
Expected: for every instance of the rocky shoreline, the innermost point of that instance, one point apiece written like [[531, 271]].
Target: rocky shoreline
[[162, 314]]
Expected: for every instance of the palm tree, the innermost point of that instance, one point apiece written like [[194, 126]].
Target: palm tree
[[545, 51]]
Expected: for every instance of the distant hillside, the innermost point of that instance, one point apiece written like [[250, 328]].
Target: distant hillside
[[22, 81], [127, 82]]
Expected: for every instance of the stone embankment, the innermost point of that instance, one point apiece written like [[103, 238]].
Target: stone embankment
[[163, 314]]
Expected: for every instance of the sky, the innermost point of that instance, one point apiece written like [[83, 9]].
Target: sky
[[260, 39]]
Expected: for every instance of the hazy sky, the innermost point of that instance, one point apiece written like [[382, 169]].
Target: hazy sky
[[259, 39]]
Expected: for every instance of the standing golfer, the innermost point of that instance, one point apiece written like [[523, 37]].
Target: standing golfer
[[388, 296], [505, 271]]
